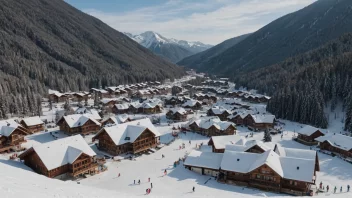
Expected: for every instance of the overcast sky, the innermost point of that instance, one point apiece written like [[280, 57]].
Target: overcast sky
[[208, 21]]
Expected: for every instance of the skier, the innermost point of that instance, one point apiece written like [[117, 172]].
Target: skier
[[335, 189], [327, 188], [134, 181], [190, 142], [119, 174], [341, 189], [146, 191], [151, 185], [162, 156], [348, 188], [139, 181], [321, 185], [165, 172], [148, 179], [193, 188]]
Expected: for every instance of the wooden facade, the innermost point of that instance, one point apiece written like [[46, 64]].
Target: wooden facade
[[34, 128], [237, 119], [266, 179], [309, 139], [145, 141], [250, 122], [84, 129], [332, 148], [223, 116], [57, 98], [82, 165], [13, 141], [176, 116], [212, 131]]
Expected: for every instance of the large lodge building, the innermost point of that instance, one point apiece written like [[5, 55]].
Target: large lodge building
[[64, 158], [131, 137], [79, 124]]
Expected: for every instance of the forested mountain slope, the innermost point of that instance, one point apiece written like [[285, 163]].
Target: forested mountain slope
[[197, 60], [49, 44], [285, 37], [302, 85]]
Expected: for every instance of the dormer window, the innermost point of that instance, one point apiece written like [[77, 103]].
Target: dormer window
[[127, 138]]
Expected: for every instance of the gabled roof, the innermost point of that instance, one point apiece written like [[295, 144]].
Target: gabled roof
[[247, 145], [190, 103], [209, 121], [295, 153], [32, 121], [204, 159], [93, 112], [77, 120], [298, 169], [181, 111], [123, 106], [119, 119], [308, 130], [219, 110], [263, 118], [8, 126], [61, 152], [337, 140], [221, 141], [131, 130]]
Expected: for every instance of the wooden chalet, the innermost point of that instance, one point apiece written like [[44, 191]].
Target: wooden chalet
[[57, 97], [33, 124], [121, 108], [202, 97], [131, 137], [220, 112], [11, 136], [79, 124], [268, 171], [337, 144], [238, 119], [192, 104], [81, 96], [101, 93], [259, 121], [176, 89], [119, 119], [108, 102], [178, 114], [307, 135], [204, 163], [212, 126], [173, 100], [218, 143], [64, 158]]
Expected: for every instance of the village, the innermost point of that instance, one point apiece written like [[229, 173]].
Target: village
[[174, 138]]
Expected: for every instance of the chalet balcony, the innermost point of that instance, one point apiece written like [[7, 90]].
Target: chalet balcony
[[84, 169], [264, 184]]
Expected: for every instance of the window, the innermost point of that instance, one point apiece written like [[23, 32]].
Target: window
[[295, 183], [291, 182], [258, 176]]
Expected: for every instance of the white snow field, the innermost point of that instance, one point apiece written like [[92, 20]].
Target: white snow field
[[17, 180]]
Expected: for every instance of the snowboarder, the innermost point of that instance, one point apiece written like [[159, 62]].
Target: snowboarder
[[341, 189], [335, 189], [193, 188], [148, 179], [348, 188], [327, 188], [151, 185], [139, 181]]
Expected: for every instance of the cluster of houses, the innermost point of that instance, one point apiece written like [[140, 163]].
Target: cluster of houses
[[12, 132], [248, 96], [149, 106], [57, 97], [234, 160], [331, 143], [210, 126]]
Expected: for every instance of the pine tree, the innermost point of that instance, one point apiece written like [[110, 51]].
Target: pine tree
[[267, 136]]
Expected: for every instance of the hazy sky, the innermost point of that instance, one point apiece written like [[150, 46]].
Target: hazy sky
[[208, 21]]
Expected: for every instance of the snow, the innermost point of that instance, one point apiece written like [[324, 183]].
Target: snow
[[298, 169], [204, 159], [32, 121], [130, 131], [221, 141], [295, 153], [341, 141], [7, 127], [190, 103], [77, 120], [238, 161], [63, 151], [308, 130], [263, 118]]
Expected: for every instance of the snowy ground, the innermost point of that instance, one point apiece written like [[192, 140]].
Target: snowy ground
[[17, 180]]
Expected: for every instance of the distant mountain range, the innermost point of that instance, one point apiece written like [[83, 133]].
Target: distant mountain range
[[285, 37], [169, 48]]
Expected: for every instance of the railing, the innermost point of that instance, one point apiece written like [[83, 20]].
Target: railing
[[83, 170]]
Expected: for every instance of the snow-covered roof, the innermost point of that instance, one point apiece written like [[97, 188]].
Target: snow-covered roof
[[308, 130], [190, 103], [7, 127], [122, 106], [63, 151], [207, 122], [32, 121], [263, 118], [178, 110], [204, 159], [238, 161], [295, 153], [297, 169], [337, 140], [220, 110], [119, 119], [247, 145], [93, 112], [130, 131], [221, 141], [77, 120]]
